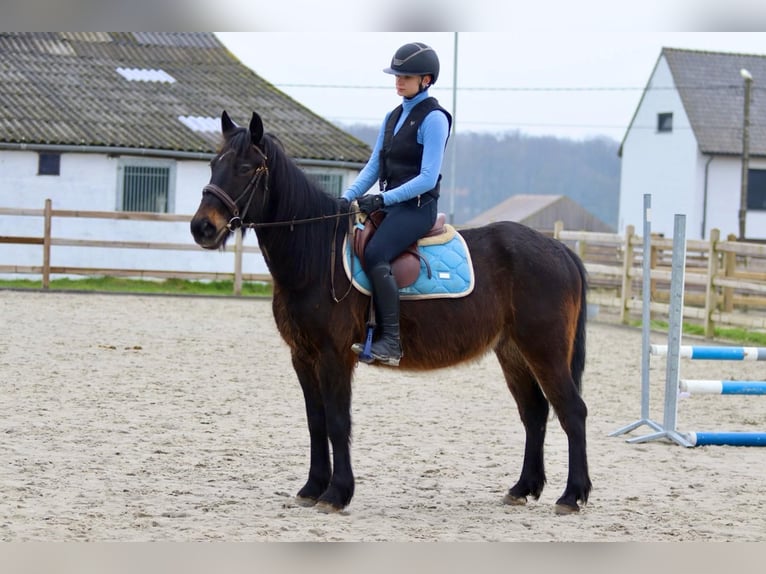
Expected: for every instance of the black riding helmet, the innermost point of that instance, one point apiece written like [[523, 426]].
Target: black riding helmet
[[415, 59]]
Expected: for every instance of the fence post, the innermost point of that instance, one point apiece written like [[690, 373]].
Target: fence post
[[627, 267], [730, 268], [47, 213], [654, 258], [711, 294], [558, 227], [238, 262]]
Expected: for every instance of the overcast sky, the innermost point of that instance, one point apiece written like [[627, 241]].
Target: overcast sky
[[563, 83]]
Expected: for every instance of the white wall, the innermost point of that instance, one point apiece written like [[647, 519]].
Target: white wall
[[724, 190], [86, 180], [664, 164]]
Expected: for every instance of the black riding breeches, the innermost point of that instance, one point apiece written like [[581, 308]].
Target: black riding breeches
[[403, 225]]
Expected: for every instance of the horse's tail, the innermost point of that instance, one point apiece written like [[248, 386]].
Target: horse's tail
[[577, 365]]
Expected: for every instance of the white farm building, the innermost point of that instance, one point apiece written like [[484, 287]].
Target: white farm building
[[128, 122]]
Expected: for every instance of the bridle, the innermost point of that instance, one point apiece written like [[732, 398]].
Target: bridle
[[252, 186], [233, 205], [236, 222]]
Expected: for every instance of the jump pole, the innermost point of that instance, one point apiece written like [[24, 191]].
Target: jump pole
[[714, 353], [727, 438], [708, 387], [675, 324], [645, 320]]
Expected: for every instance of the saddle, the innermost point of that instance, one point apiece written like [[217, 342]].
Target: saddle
[[406, 267]]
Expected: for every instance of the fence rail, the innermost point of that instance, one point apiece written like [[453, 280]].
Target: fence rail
[[725, 279], [46, 268]]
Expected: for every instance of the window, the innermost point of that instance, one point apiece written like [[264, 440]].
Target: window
[[665, 122], [48, 164], [756, 189], [332, 183], [145, 185]]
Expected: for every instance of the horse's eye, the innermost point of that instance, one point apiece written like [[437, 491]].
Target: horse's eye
[[245, 169]]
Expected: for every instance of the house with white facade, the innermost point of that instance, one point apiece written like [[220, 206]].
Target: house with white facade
[[685, 145], [129, 122]]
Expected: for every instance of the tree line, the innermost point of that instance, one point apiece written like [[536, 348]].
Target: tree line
[[490, 168]]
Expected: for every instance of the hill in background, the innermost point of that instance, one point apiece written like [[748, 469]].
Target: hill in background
[[492, 167]]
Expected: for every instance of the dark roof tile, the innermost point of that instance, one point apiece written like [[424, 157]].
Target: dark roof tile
[[712, 91], [64, 88]]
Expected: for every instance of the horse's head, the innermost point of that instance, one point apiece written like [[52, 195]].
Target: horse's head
[[238, 175]]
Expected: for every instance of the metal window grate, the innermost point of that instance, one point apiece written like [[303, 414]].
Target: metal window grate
[[145, 188], [332, 183]]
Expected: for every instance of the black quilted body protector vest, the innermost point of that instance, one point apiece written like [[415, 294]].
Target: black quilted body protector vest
[[401, 154]]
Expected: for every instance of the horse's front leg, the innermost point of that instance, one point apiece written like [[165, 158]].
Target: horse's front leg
[[335, 383], [320, 469]]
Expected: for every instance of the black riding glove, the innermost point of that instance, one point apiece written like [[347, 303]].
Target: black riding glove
[[371, 202], [343, 205]]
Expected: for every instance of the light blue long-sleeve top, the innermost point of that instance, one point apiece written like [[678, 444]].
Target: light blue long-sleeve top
[[432, 134]]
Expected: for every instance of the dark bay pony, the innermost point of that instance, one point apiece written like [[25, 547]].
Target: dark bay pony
[[528, 306]]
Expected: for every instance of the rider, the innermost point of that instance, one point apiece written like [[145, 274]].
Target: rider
[[406, 162]]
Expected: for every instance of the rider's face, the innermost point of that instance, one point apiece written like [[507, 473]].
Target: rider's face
[[409, 86]]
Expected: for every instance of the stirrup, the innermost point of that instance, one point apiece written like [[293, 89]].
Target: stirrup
[[369, 357], [363, 349], [391, 361], [364, 357], [392, 358]]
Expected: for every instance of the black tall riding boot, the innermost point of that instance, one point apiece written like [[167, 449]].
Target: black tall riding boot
[[387, 348]]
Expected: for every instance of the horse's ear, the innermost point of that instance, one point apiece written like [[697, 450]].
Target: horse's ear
[[256, 129], [226, 124]]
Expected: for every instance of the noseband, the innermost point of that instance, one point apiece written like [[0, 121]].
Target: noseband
[[233, 205]]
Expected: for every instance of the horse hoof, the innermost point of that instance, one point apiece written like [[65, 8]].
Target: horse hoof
[[327, 508], [305, 501], [511, 500], [563, 509]]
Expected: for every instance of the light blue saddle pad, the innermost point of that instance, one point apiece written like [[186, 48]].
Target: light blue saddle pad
[[451, 268]]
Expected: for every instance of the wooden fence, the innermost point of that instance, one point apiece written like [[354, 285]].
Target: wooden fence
[[47, 268], [725, 279], [725, 282]]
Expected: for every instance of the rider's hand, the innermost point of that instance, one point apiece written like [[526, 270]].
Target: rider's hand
[[371, 202], [343, 205]]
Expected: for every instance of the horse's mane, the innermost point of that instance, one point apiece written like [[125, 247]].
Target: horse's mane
[[292, 196]]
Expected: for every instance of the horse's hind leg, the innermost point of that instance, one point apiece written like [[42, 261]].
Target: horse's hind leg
[[572, 412], [533, 410], [560, 389]]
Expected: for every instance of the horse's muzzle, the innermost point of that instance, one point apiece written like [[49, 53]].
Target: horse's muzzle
[[206, 233]]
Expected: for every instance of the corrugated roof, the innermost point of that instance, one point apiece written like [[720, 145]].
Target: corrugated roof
[[713, 94], [64, 88], [515, 208], [542, 212]]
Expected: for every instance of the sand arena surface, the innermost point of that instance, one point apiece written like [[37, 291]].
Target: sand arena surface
[[135, 418]]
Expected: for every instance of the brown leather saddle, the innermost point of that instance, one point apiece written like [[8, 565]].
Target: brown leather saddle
[[406, 267]]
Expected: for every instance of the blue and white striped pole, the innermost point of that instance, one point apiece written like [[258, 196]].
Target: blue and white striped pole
[[714, 353], [727, 438], [712, 387]]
